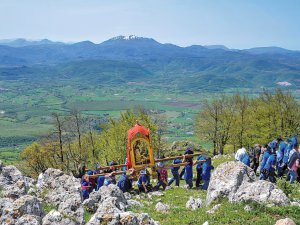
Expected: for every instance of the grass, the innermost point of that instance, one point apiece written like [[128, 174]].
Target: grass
[[87, 215], [227, 214], [48, 208]]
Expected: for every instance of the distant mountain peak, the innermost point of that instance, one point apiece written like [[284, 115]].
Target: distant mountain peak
[[129, 37]]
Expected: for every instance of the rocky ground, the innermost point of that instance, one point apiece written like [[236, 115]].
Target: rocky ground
[[55, 198]]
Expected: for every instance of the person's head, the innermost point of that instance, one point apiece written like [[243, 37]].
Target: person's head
[[90, 172], [279, 140], [264, 147]]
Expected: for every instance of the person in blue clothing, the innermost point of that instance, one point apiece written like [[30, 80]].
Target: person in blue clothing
[[188, 173], [199, 170], [143, 182], [287, 150], [110, 179], [86, 187], [206, 172], [266, 154], [125, 182], [188, 151], [246, 160], [242, 156], [274, 144], [280, 165], [175, 173], [100, 182], [294, 141], [269, 168]]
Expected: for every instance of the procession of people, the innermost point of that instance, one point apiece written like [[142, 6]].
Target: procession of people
[[269, 161]]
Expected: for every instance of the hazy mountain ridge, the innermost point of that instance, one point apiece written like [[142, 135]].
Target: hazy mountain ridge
[[122, 59]]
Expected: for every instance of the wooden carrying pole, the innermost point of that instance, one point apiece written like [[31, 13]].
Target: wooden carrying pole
[[178, 157], [168, 166], [109, 167]]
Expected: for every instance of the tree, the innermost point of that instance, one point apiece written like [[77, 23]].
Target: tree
[[214, 122]]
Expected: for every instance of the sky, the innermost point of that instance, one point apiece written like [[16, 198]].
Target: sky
[[233, 23]]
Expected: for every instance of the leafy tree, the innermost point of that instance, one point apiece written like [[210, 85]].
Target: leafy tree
[[241, 121]]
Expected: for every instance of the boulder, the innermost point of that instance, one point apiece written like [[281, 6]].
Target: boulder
[[286, 221], [261, 192], [162, 208], [115, 192], [56, 218], [91, 204], [29, 220], [12, 182], [72, 208], [227, 178], [194, 203], [205, 223], [63, 192], [25, 210], [27, 204]]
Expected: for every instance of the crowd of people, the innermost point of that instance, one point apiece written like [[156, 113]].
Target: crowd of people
[[126, 179], [276, 159]]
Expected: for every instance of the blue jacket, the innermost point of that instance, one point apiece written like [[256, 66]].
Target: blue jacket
[[287, 150], [188, 174], [206, 172], [143, 179], [280, 153], [176, 161], [122, 181], [273, 145], [266, 155], [246, 160], [294, 141], [200, 157], [100, 182], [270, 162]]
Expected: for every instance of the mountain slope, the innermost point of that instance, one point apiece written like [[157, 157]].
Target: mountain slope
[[122, 59]]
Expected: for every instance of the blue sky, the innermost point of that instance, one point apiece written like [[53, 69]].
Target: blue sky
[[234, 23]]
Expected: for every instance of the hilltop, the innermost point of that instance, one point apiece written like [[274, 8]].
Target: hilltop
[[56, 198]]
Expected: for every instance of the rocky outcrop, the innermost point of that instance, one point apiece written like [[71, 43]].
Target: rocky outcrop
[[29, 220], [12, 183], [56, 218], [162, 208], [227, 178], [91, 204], [111, 209], [261, 192], [25, 210], [237, 182], [63, 192]]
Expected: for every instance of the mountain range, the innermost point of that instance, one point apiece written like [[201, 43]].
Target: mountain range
[[122, 59]]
